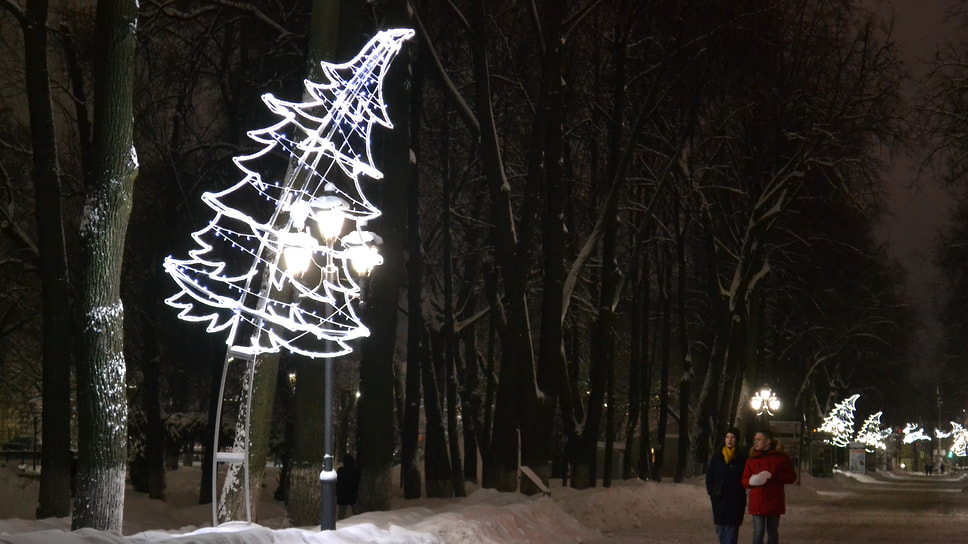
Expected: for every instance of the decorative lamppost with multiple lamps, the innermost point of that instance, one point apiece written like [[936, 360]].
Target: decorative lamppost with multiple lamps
[[766, 402]]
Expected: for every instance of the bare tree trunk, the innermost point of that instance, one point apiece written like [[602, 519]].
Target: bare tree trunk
[[685, 381], [537, 444], [641, 329], [636, 368], [416, 349], [665, 330], [436, 461], [102, 406], [303, 497], [450, 349], [375, 443], [55, 492], [302, 500], [516, 382], [263, 385]]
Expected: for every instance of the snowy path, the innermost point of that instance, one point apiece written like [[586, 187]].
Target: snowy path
[[886, 508], [844, 509]]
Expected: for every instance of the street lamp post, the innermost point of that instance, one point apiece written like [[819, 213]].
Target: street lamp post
[[765, 402]]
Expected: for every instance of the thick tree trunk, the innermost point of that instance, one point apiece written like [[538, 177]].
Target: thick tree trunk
[[374, 441], [303, 496], [636, 367], [155, 439], [416, 344], [232, 500], [641, 329], [302, 500], [436, 461], [102, 405], [665, 329], [685, 381], [537, 443], [55, 478]]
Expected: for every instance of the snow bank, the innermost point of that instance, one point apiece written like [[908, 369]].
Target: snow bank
[[485, 516]]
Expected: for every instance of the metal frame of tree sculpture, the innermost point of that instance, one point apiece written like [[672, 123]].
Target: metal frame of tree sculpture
[[281, 274]]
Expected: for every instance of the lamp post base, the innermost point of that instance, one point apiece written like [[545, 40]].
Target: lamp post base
[[327, 498]]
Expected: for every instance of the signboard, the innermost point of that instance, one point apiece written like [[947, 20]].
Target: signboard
[[858, 459]]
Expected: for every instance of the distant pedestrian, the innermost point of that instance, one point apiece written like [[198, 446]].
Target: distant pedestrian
[[725, 488], [347, 485], [767, 471]]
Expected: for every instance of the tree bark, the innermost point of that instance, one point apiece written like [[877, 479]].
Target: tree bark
[[685, 381], [665, 348], [302, 503], [263, 386], [375, 444], [102, 405], [537, 443], [55, 477]]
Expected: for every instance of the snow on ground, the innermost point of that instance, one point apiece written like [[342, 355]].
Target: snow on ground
[[624, 513]]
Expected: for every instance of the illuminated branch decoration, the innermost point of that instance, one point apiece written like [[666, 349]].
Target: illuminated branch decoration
[[913, 433], [253, 267], [959, 446], [871, 434], [840, 422]]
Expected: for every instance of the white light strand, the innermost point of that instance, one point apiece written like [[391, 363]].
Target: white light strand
[[840, 422], [871, 434], [237, 273], [913, 433], [959, 445]]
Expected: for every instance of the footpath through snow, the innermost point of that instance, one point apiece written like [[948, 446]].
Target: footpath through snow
[[629, 511]]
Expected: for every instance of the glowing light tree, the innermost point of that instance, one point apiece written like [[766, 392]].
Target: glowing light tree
[[871, 434], [277, 266], [959, 445], [840, 422], [912, 433]]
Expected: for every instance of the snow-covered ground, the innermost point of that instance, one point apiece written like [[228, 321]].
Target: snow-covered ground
[[862, 509]]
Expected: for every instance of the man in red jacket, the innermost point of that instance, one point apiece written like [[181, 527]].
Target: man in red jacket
[[767, 471]]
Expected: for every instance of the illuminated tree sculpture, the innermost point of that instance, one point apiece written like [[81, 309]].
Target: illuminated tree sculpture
[[252, 264], [277, 264], [840, 422], [959, 445], [913, 432], [871, 434]]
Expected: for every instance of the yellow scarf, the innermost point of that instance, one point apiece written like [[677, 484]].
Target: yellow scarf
[[728, 454]]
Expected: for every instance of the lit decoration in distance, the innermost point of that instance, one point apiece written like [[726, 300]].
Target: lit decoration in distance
[[913, 432], [871, 435], [840, 422]]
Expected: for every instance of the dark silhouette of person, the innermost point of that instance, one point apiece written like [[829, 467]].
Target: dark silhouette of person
[[725, 488], [347, 486]]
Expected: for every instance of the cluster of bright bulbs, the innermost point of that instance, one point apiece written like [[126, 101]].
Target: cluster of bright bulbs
[[290, 269]]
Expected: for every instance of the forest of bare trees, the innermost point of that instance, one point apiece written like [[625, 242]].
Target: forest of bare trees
[[606, 223]]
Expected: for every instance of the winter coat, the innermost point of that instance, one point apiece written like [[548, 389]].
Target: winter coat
[[726, 491], [768, 499]]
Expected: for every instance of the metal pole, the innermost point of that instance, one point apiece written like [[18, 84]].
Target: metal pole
[[939, 426], [327, 478]]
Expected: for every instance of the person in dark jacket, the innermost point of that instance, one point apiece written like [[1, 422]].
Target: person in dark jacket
[[347, 485], [725, 488], [767, 471]]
